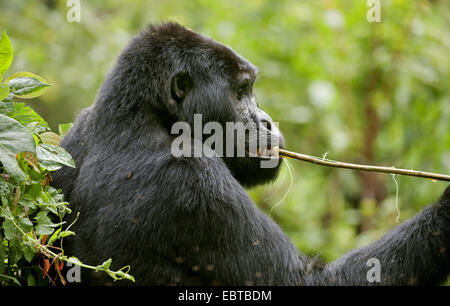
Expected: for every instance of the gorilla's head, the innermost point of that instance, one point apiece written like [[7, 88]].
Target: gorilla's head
[[168, 73]]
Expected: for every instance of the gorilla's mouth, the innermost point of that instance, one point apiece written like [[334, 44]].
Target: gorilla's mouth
[[265, 153]]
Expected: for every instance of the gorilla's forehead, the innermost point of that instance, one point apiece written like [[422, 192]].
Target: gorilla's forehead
[[188, 41], [227, 56]]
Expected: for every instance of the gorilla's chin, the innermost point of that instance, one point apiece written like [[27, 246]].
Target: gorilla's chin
[[252, 171]]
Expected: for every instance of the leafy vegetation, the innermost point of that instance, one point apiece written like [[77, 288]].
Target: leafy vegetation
[[373, 93], [31, 211]]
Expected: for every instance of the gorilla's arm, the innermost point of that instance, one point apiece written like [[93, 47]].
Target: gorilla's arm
[[416, 252]]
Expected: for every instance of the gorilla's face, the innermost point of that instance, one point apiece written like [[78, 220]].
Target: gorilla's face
[[219, 86], [260, 163]]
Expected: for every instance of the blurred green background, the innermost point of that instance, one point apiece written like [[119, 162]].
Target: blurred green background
[[374, 93]]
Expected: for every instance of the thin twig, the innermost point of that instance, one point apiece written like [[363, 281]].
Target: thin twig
[[338, 164]]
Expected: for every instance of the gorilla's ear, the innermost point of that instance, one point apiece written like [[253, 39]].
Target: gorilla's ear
[[180, 86]]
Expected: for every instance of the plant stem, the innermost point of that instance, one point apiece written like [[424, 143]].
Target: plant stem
[[338, 164]]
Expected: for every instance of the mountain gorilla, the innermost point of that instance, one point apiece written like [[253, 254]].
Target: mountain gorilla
[[188, 220]]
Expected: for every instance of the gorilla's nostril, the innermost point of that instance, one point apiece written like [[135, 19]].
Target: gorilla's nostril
[[266, 124], [263, 120]]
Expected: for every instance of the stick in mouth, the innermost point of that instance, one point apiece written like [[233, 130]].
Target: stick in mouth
[[338, 164]]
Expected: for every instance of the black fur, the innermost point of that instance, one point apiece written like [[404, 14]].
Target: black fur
[[189, 220]]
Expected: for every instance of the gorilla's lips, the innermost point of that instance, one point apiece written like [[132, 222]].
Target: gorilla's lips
[[268, 153]]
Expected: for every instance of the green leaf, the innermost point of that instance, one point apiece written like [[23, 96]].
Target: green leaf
[[36, 127], [15, 251], [66, 233], [58, 234], [28, 251], [74, 261], [34, 190], [4, 91], [2, 254], [11, 165], [26, 74], [50, 138], [5, 189], [7, 108], [9, 97], [27, 201], [106, 264], [10, 230], [63, 128], [6, 53], [54, 237], [27, 87], [6, 213], [14, 139], [52, 157], [26, 115], [45, 225], [9, 279], [25, 224], [43, 230]]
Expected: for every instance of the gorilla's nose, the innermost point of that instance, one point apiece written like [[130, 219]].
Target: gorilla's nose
[[263, 121]]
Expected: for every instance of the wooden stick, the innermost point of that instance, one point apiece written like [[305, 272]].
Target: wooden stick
[[338, 164]]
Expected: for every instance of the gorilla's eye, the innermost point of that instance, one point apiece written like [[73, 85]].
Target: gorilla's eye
[[244, 89]]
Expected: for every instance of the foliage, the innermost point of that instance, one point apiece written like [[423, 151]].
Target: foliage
[[31, 211], [364, 92]]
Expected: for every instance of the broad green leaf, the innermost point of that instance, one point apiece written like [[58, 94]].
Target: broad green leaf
[[7, 108], [6, 53], [36, 128], [9, 97], [26, 74], [27, 87], [27, 201], [25, 115], [52, 157], [6, 213], [25, 224], [28, 251], [50, 138], [14, 139], [43, 230], [4, 91], [11, 166], [10, 230], [63, 128], [44, 224], [34, 190]]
